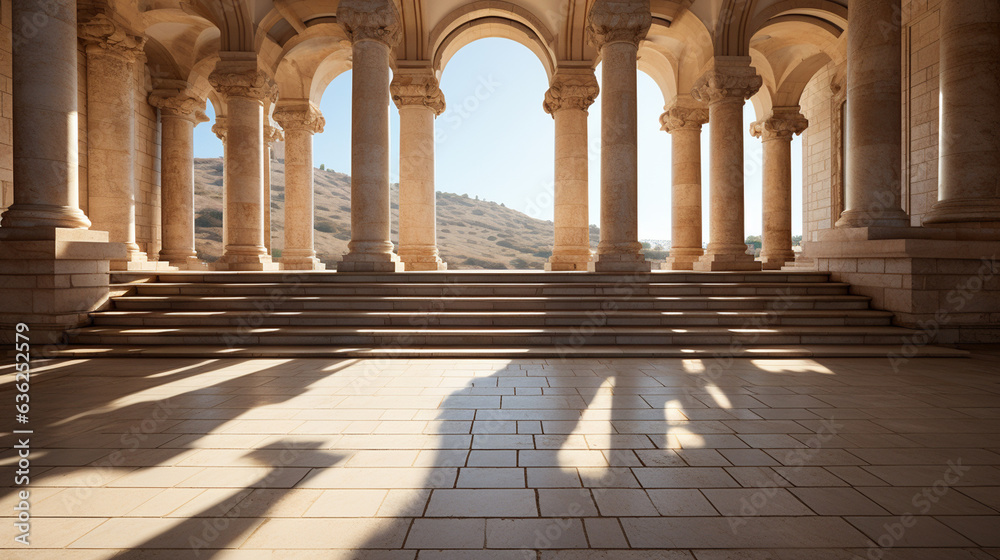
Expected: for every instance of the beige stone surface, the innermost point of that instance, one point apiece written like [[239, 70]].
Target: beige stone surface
[[176, 456]]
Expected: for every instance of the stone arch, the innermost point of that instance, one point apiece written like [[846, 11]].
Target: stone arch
[[311, 60], [483, 19], [740, 20], [233, 19], [674, 55]]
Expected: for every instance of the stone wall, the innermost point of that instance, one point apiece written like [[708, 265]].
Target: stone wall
[[6, 108], [921, 24], [817, 156]]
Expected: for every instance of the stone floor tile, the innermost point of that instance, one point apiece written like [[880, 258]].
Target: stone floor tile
[[621, 502], [482, 503], [753, 502], [900, 500], [746, 532], [535, 533], [346, 503], [605, 533], [566, 502], [326, 533], [984, 530], [447, 533], [919, 531], [838, 501], [470, 477]]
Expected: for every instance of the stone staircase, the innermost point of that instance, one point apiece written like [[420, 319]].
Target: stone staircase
[[487, 314]]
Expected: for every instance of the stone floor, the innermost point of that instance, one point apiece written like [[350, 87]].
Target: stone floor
[[707, 458]]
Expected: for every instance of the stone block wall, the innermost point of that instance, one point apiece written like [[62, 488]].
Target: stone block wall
[[921, 25], [817, 156], [147, 167]]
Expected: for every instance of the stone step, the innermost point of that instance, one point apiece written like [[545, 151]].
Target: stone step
[[463, 277], [632, 318], [383, 337], [707, 353], [494, 289], [532, 303]]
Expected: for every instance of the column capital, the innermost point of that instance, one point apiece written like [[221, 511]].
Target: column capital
[[417, 89], [242, 78], [782, 124], [181, 105], [102, 34], [731, 78], [571, 91], [221, 127], [618, 21], [375, 20], [299, 117], [683, 117], [272, 134]]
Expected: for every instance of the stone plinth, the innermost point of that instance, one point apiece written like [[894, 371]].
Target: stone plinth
[[52, 277], [945, 283]]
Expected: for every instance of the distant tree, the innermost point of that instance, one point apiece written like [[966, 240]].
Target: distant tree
[[322, 167], [646, 245], [754, 240], [477, 197], [502, 205], [796, 240]]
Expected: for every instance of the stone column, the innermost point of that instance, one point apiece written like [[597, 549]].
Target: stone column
[[221, 131], [179, 114], [419, 100], [300, 120], [244, 87], [272, 134], [52, 268], [725, 88], [46, 157], [374, 28], [111, 56], [969, 164], [874, 116], [776, 132], [615, 28], [571, 93], [683, 120]]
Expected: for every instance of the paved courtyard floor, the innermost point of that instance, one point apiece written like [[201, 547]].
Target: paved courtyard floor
[[573, 459]]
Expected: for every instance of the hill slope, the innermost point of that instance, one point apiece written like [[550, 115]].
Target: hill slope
[[472, 234]]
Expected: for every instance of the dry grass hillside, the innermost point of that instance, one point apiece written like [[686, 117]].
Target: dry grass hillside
[[471, 233]]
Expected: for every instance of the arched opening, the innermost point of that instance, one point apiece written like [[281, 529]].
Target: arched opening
[[494, 149]]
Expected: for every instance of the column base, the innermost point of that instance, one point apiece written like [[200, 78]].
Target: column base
[[250, 261], [52, 278], [138, 261], [182, 261], [562, 262], [984, 213], [863, 218], [682, 259], [302, 263], [610, 262], [725, 262], [371, 262], [421, 258], [776, 262]]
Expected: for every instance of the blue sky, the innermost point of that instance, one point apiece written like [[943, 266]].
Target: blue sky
[[496, 142]]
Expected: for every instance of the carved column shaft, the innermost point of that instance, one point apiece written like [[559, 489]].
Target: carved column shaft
[[419, 100], [684, 125], [45, 129], [725, 88], [776, 132], [299, 122], [271, 135], [179, 114], [874, 116], [969, 176], [244, 87], [567, 101], [616, 28], [374, 29], [111, 185]]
